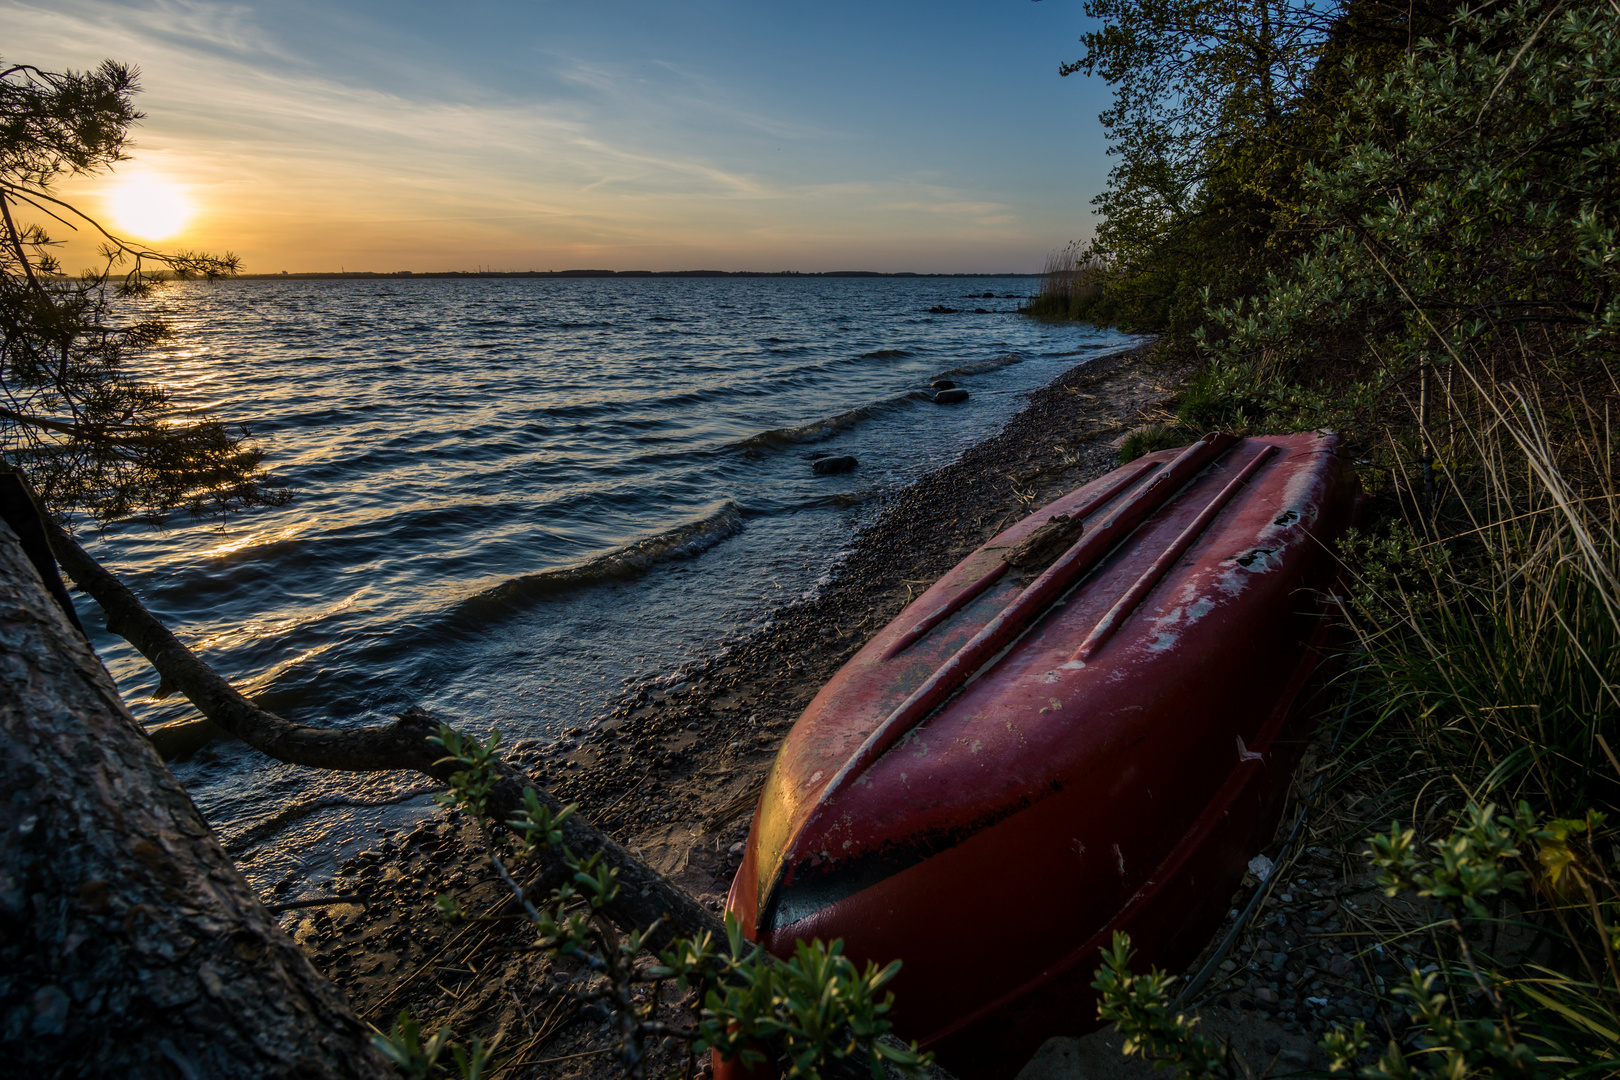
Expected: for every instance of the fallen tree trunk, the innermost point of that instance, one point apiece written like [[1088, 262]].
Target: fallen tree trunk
[[644, 895], [129, 944]]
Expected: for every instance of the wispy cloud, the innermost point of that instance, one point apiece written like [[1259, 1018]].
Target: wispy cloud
[[296, 158]]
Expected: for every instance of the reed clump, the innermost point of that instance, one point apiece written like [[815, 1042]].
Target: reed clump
[[1487, 609], [1071, 284]]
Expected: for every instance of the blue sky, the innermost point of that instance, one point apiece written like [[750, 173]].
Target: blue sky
[[541, 135]]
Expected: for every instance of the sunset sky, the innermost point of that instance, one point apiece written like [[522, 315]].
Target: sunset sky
[[620, 134]]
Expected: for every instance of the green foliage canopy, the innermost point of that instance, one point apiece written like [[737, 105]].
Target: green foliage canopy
[[1218, 108], [1470, 195]]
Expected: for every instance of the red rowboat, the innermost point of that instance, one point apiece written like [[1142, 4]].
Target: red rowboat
[[1025, 761]]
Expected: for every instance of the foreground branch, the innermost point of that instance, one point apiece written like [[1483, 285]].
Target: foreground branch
[[644, 897], [644, 901]]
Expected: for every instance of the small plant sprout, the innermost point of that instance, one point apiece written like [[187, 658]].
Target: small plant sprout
[[803, 1013], [449, 908], [1139, 1005], [471, 784], [1453, 1048], [404, 1047]]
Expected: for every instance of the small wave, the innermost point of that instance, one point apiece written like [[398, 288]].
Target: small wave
[[243, 838], [681, 542], [827, 427], [978, 369], [885, 354]]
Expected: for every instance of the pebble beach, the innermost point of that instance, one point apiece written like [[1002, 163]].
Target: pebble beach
[[674, 768]]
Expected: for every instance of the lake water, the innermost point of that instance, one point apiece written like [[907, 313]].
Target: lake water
[[513, 496]]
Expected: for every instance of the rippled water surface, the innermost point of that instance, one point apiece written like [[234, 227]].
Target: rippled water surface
[[514, 495]]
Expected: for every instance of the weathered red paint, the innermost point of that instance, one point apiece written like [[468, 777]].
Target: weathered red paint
[[989, 804]]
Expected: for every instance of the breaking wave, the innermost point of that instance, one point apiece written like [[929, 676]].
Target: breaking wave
[[681, 542], [1005, 360], [827, 427]]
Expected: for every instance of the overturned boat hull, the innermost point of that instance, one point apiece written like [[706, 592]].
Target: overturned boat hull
[[1027, 760]]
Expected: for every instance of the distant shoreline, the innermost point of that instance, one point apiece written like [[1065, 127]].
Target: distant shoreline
[[368, 275]]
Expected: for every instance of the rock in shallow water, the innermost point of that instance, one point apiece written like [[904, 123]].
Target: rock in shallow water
[[950, 397], [828, 466]]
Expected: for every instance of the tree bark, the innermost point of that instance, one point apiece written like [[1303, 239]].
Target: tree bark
[[644, 895], [130, 946]]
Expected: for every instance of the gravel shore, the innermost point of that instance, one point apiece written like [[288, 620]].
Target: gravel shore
[[675, 768]]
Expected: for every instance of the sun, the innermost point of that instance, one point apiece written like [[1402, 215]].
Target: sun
[[149, 207]]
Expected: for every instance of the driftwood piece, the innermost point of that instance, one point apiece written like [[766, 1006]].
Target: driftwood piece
[[1041, 548], [129, 944]]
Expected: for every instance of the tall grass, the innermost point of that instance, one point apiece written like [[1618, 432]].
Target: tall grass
[[1491, 613], [1490, 618], [1071, 281]]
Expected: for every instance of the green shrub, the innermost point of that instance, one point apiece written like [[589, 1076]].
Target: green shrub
[[801, 1013], [1521, 1018], [1146, 440], [1220, 399], [1469, 201]]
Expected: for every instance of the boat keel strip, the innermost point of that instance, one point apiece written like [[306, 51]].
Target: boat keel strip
[[1030, 605], [961, 599], [1138, 592]]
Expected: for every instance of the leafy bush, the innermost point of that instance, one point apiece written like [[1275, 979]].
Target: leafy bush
[[1472, 194], [1523, 1018], [1146, 440], [802, 1013]]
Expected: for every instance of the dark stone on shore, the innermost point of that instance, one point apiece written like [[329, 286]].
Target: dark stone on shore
[[828, 466], [950, 397], [943, 384]]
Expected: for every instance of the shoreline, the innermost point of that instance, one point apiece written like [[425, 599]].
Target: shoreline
[[674, 769], [738, 702], [372, 275]]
